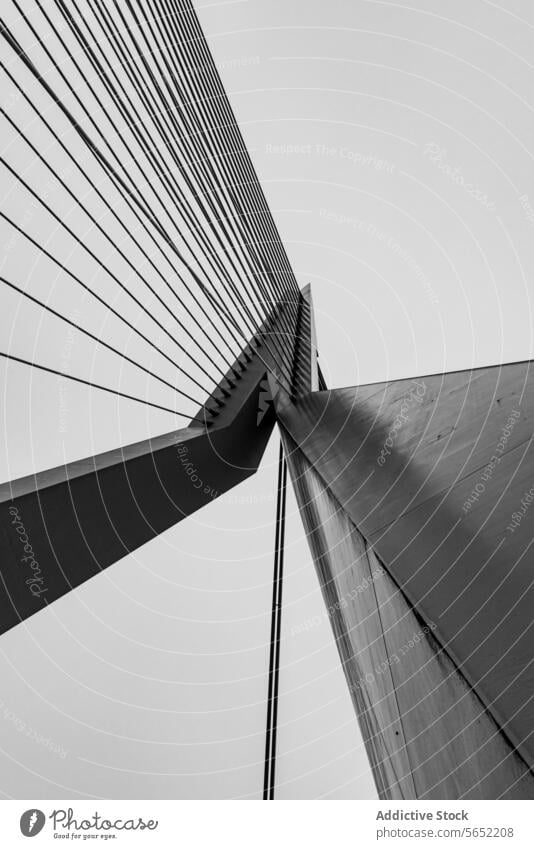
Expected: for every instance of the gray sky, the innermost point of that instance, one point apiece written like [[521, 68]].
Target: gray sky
[[394, 144]]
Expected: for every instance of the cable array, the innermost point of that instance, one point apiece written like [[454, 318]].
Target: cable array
[[129, 182]]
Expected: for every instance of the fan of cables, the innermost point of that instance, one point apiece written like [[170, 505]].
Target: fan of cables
[[132, 210]]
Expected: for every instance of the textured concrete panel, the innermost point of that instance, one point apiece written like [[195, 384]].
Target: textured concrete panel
[[437, 474], [427, 733]]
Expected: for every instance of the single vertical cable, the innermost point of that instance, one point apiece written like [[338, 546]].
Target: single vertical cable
[[276, 627]]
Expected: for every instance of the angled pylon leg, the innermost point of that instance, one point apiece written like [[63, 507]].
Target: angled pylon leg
[[416, 496], [60, 527]]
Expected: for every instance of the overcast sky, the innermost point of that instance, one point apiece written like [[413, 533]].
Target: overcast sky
[[394, 144]]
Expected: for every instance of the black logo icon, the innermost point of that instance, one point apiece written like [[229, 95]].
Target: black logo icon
[[31, 822]]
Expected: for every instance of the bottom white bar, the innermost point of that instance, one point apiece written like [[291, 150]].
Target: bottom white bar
[[258, 825]]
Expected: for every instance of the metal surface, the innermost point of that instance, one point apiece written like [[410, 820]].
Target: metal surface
[[427, 734], [430, 472]]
